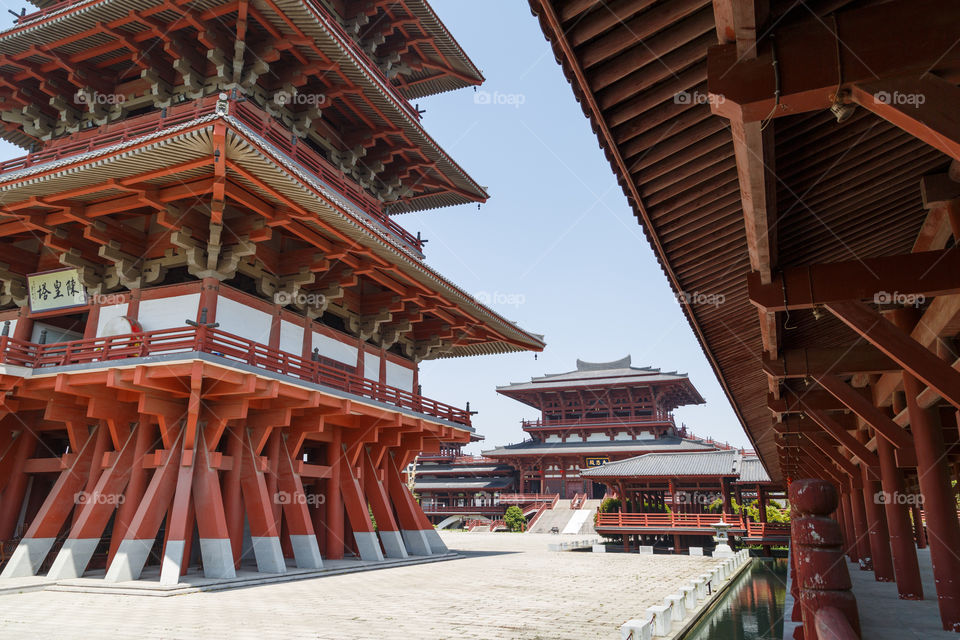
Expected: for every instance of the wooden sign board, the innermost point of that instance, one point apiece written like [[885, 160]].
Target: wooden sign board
[[52, 290]]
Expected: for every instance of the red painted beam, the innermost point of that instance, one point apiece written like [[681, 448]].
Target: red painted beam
[[900, 346], [891, 279], [879, 41]]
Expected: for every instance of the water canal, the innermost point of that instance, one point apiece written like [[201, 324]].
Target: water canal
[[750, 609]]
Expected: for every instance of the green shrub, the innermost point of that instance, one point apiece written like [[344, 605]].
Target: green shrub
[[514, 519]]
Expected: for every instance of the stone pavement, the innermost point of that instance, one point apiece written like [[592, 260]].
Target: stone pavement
[[508, 586]]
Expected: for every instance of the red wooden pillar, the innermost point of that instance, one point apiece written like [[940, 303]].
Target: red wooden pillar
[[333, 530], [939, 503], [135, 487], [906, 568], [849, 531], [302, 538], [919, 531], [56, 510], [877, 531], [24, 447], [860, 524], [818, 547], [232, 496]]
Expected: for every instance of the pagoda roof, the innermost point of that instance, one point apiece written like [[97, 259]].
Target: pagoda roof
[[672, 464], [192, 140], [534, 447], [379, 101], [462, 483], [730, 463], [427, 469], [604, 374]]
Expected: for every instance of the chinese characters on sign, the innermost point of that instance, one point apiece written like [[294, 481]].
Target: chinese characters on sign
[[56, 290], [598, 461]]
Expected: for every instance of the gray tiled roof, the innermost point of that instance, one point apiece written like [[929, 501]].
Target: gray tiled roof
[[462, 483], [462, 469], [616, 372], [599, 446], [751, 470], [666, 464]]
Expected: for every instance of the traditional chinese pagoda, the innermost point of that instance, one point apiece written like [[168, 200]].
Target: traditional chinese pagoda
[[212, 321], [598, 413]]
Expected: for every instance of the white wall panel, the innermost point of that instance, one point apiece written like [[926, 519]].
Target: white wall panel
[[168, 313], [241, 320], [334, 349], [400, 377], [291, 338], [371, 366]]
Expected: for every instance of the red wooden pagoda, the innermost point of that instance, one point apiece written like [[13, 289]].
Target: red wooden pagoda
[[598, 413], [212, 323]]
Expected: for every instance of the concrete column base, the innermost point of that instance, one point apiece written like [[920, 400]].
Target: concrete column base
[[129, 562], [306, 552], [73, 558], [678, 607], [368, 546], [217, 557], [436, 544], [269, 555], [393, 544], [172, 562], [27, 557], [415, 540]]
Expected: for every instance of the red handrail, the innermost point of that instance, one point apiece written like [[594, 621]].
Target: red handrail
[[223, 344], [667, 520]]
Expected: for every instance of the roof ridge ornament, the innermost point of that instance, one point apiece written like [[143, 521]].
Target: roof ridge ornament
[[622, 363]]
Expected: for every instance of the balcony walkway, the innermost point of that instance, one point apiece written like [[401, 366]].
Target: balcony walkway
[[182, 342]]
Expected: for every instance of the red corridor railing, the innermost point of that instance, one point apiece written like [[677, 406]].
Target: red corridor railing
[[226, 345], [667, 520]]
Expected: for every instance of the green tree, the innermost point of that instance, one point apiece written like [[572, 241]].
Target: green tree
[[514, 519]]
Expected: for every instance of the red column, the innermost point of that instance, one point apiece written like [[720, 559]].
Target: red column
[[878, 533], [334, 520], [906, 569], [817, 545], [13, 495], [938, 502], [860, 525], [849, 533], [919, 530]]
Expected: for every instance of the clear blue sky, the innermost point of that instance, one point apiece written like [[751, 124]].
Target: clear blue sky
[[557, 247]]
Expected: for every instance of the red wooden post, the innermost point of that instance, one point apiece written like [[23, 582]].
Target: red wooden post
[[334, 501], [878, 533], [849, 531], [818, 548], [939, 502], [860, 525]]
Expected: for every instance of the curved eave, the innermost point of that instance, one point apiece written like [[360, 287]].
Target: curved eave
[[588, 104], [192, 139], [84, 15]]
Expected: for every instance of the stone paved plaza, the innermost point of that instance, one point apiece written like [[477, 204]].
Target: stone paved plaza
[[507, 586]]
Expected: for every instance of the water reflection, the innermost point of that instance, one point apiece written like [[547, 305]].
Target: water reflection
[[751, 609]]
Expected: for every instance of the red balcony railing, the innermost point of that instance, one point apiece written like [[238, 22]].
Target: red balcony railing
[[434, 509], [526, 498], [247, 112], [226, 345], [666, 521], [539, 423], [768, 530]]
